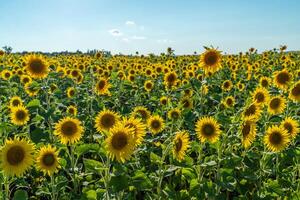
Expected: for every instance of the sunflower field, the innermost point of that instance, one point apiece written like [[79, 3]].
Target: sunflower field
[[209, 126]]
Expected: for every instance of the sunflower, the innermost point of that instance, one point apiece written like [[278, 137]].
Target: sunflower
[[211, 60], [227, 85], [241, 86], [16, 156], [276, 105], [69, 130], [186, 103], [265, 81], [260, 95], [102, 87], [70, 92], [252, 112], [174, 114], [276, 138], [156, 124], [47, 160], [15, 101], [163, 100], [25, 79], [138, 128], [207, 128], [295, 92], [19, 115], [106, 120], [291, 126], [282, 79], [32, 88], [37, 66], [229, 101], [170, 79], [180, 145], [6, 74], [72, 110], [248, 132], [148, 85], [141, 112], [120, 143]]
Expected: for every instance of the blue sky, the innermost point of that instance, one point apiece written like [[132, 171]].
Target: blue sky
[[149, 26]]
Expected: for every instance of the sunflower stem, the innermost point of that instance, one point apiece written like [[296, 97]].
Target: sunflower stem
[[6, 188], [53, 189]]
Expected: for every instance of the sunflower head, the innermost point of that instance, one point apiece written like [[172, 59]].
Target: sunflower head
[[141, 112], [229, 101], [47, 160], [138, 129], [19, 115], [16, 156], [180, 145], [276, 105], [69, 130], [70, 92], [211, 60], [15, 101], [295, 92], [72, 110], [291, 126], [252, 112], [174, 114], [148, 85], [102, 87], [276, 138], [170, 79], [248, 132], [119, 144], [260, 95], [106, 120], [208, 129], [282, 79], [37, 66], [156, 124]]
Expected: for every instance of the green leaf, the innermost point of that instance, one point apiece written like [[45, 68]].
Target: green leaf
[[85, 148], [39, 135], [141, 181], [154, 158], [34, 103], [20, 195], [119, 183], [91, 195], [188, 173], [210, 164], [93, 166]]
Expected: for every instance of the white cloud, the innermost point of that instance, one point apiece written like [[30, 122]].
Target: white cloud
[[125, 40], [164, 41], [138, 37], [115, 32], [130, 23]]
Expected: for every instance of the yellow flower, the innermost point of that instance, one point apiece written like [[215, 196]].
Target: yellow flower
[[37, 66], [156, 124], [291, 126], [69, 130], [138, 128], [47, 160], [120, 143], [207, 128], [276, 105], [282, 79], [102, 87], [211, 60], [16, 156], [106, 120], [295, 92], [276, 138], [180, 145], [248, 131], [19, 115]]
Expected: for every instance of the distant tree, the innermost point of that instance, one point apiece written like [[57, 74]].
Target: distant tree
[[7, 49], [170, 51]]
